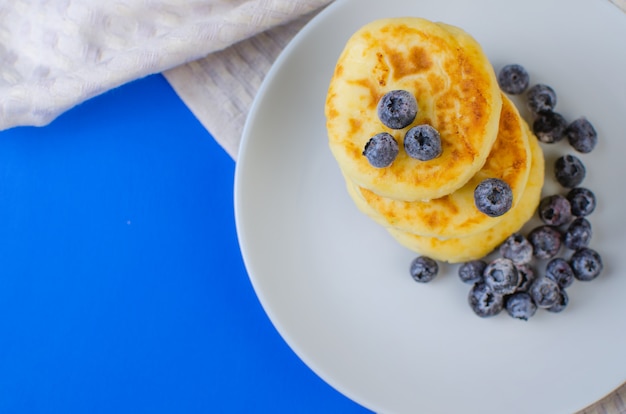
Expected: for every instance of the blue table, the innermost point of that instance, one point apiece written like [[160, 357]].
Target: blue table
[[122, 288]]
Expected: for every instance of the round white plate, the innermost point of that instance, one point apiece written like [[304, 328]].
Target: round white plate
[[337, 287]]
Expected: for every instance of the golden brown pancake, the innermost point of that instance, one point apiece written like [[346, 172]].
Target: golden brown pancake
[[456, 215], [456, 91], [462, 249]]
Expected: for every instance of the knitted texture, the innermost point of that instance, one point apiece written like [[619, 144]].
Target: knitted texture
[[56, 54]]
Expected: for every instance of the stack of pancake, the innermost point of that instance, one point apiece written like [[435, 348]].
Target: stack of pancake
[[428, 206]]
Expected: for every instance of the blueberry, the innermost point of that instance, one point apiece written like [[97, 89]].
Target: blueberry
[[555, 210], [513, 79], [501, 276], [541, 98], [559, 270], [527, 277], [472, 272], [545, 292], [578, 234], [397, 109], [422, 142], [484, 302], [381, 150], [582, 201], [586, 263], [560, 304], [520, 306], [424, 269], [546, 241], [517, 248], [569, 171], [549, 127], [581, 135], [493, 197]]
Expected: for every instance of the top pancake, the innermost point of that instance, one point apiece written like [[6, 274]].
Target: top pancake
[[455, 214], [456, 91]]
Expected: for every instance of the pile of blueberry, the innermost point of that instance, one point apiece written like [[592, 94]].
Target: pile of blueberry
[[512, 281]]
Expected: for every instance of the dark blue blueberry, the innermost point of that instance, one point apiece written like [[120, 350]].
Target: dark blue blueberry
[[381, 150], [555, 210], [520, 306], [517, 248], [582, 201], [569, 171], [472, 272], [484, 302], [493, 197], [422, 142], [581, 135], [549, 127], [541, 98], [560, 271], [527, 277], [578, 234], [546, 241], [424, 269], [545, 292], [561, 304], [501, 276], [397, 109], [513, 79], [586, 263]]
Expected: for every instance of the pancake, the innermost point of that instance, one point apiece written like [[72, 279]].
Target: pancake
[[456, 91], [456, 215], [455, 250]]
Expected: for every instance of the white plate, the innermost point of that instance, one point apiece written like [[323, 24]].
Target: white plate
[[337, 287]]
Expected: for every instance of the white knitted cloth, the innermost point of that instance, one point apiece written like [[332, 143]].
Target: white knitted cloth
[[55, 54]]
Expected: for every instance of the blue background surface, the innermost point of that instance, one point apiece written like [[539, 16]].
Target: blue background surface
[[122, 288]]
